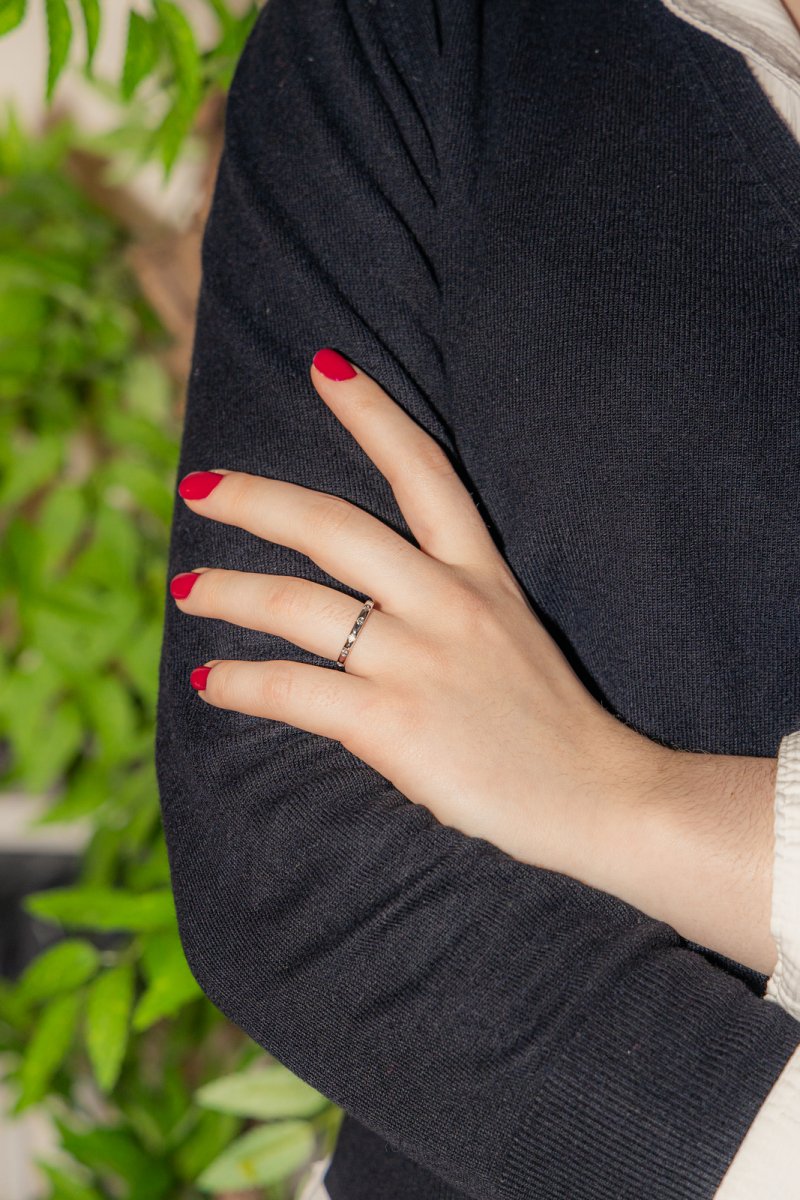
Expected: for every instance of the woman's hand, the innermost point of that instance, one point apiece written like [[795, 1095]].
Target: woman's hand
[[453, 689], [455, 692]]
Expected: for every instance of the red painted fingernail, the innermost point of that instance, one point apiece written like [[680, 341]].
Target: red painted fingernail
[[199, 484], [181, 585], [199, 678], [333, 365]]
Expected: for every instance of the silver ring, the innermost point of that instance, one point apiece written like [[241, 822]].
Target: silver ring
[[354, 632]]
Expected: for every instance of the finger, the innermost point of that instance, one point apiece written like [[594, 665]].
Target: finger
[[309, 614], [438, 508], [318, 699], [347, 542]]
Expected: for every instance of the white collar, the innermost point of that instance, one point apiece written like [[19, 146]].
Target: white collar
[[761, 29]]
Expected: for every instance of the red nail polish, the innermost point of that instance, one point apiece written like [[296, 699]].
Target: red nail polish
[[199, 484], [181, 585], [333, 365], [199, 678]]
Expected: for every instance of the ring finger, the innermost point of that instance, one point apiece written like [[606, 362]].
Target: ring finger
[[309, 614]]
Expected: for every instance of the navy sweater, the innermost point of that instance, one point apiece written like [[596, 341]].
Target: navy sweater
[[565, 236]]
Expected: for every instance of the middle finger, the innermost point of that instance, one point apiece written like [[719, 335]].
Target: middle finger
[[309, 614], [346, 541]]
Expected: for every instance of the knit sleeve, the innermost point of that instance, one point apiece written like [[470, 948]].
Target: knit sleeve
[[510, 1029]]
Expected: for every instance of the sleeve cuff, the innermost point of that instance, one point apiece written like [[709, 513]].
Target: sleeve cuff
[[784, 985], [768, 1161]]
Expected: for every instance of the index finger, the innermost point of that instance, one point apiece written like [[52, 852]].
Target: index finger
[[439, 510]]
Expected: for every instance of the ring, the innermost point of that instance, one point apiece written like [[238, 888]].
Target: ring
[[354, 632]]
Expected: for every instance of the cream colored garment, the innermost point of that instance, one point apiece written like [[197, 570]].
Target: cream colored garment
[[314, 1188], [765, 34], [768, 1161]]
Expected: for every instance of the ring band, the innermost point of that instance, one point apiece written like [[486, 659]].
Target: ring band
[[354, 632]]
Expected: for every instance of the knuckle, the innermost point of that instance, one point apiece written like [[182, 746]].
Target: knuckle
[[276, 685], [467, 603], [431, 656], [209, 589], [324, 693], [333, 614], [364, 400], [329, 515], [432, 459], [379, 728], [239, 493], [289, 597], [221, 685]]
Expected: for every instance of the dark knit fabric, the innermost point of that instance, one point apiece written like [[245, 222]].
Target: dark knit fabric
[[565, 236]]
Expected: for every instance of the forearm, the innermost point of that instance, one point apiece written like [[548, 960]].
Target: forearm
[[686, 837]]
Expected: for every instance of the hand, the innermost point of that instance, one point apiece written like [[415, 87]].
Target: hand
[[453, 689]]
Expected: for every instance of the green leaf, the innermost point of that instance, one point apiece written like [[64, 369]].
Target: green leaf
[[140, 658], [108, 1012], [61, 517], [60, 736], [171, 983], [60, 968], [212, 1133], [79, 627], [101, 856], [185, 58], [149, 487], [268, 1093], [11, 14], [141, 53], [113, 716], [104, 908], [12, 1011], [86, 789], [91, 21], [59, 36], [116, 1151], [65, 1186], [149, 392], [260, 1157], [33, 461], [181, 41], [222, 12], [151, 871], [47, 1048], [30, 693], [158, 1109], [115, 546]]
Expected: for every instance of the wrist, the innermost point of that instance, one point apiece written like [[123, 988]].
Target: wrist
[[700, 842]]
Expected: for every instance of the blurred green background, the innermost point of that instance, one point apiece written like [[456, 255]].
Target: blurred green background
[[144, 1090]]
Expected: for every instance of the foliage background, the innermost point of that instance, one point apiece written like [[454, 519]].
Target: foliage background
[[154, 1095]]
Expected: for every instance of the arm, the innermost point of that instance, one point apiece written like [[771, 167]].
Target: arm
[[703, 826], [505, 1026]]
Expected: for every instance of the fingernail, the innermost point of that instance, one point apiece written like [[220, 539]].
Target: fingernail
[[199, 484], [181, 585], [199, 678], [333, 365]]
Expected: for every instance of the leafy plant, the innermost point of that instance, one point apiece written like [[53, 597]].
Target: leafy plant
[[107, 1027], [164, 68]]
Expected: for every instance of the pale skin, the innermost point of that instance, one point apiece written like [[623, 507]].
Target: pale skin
[[793, 9], [455, 692]]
